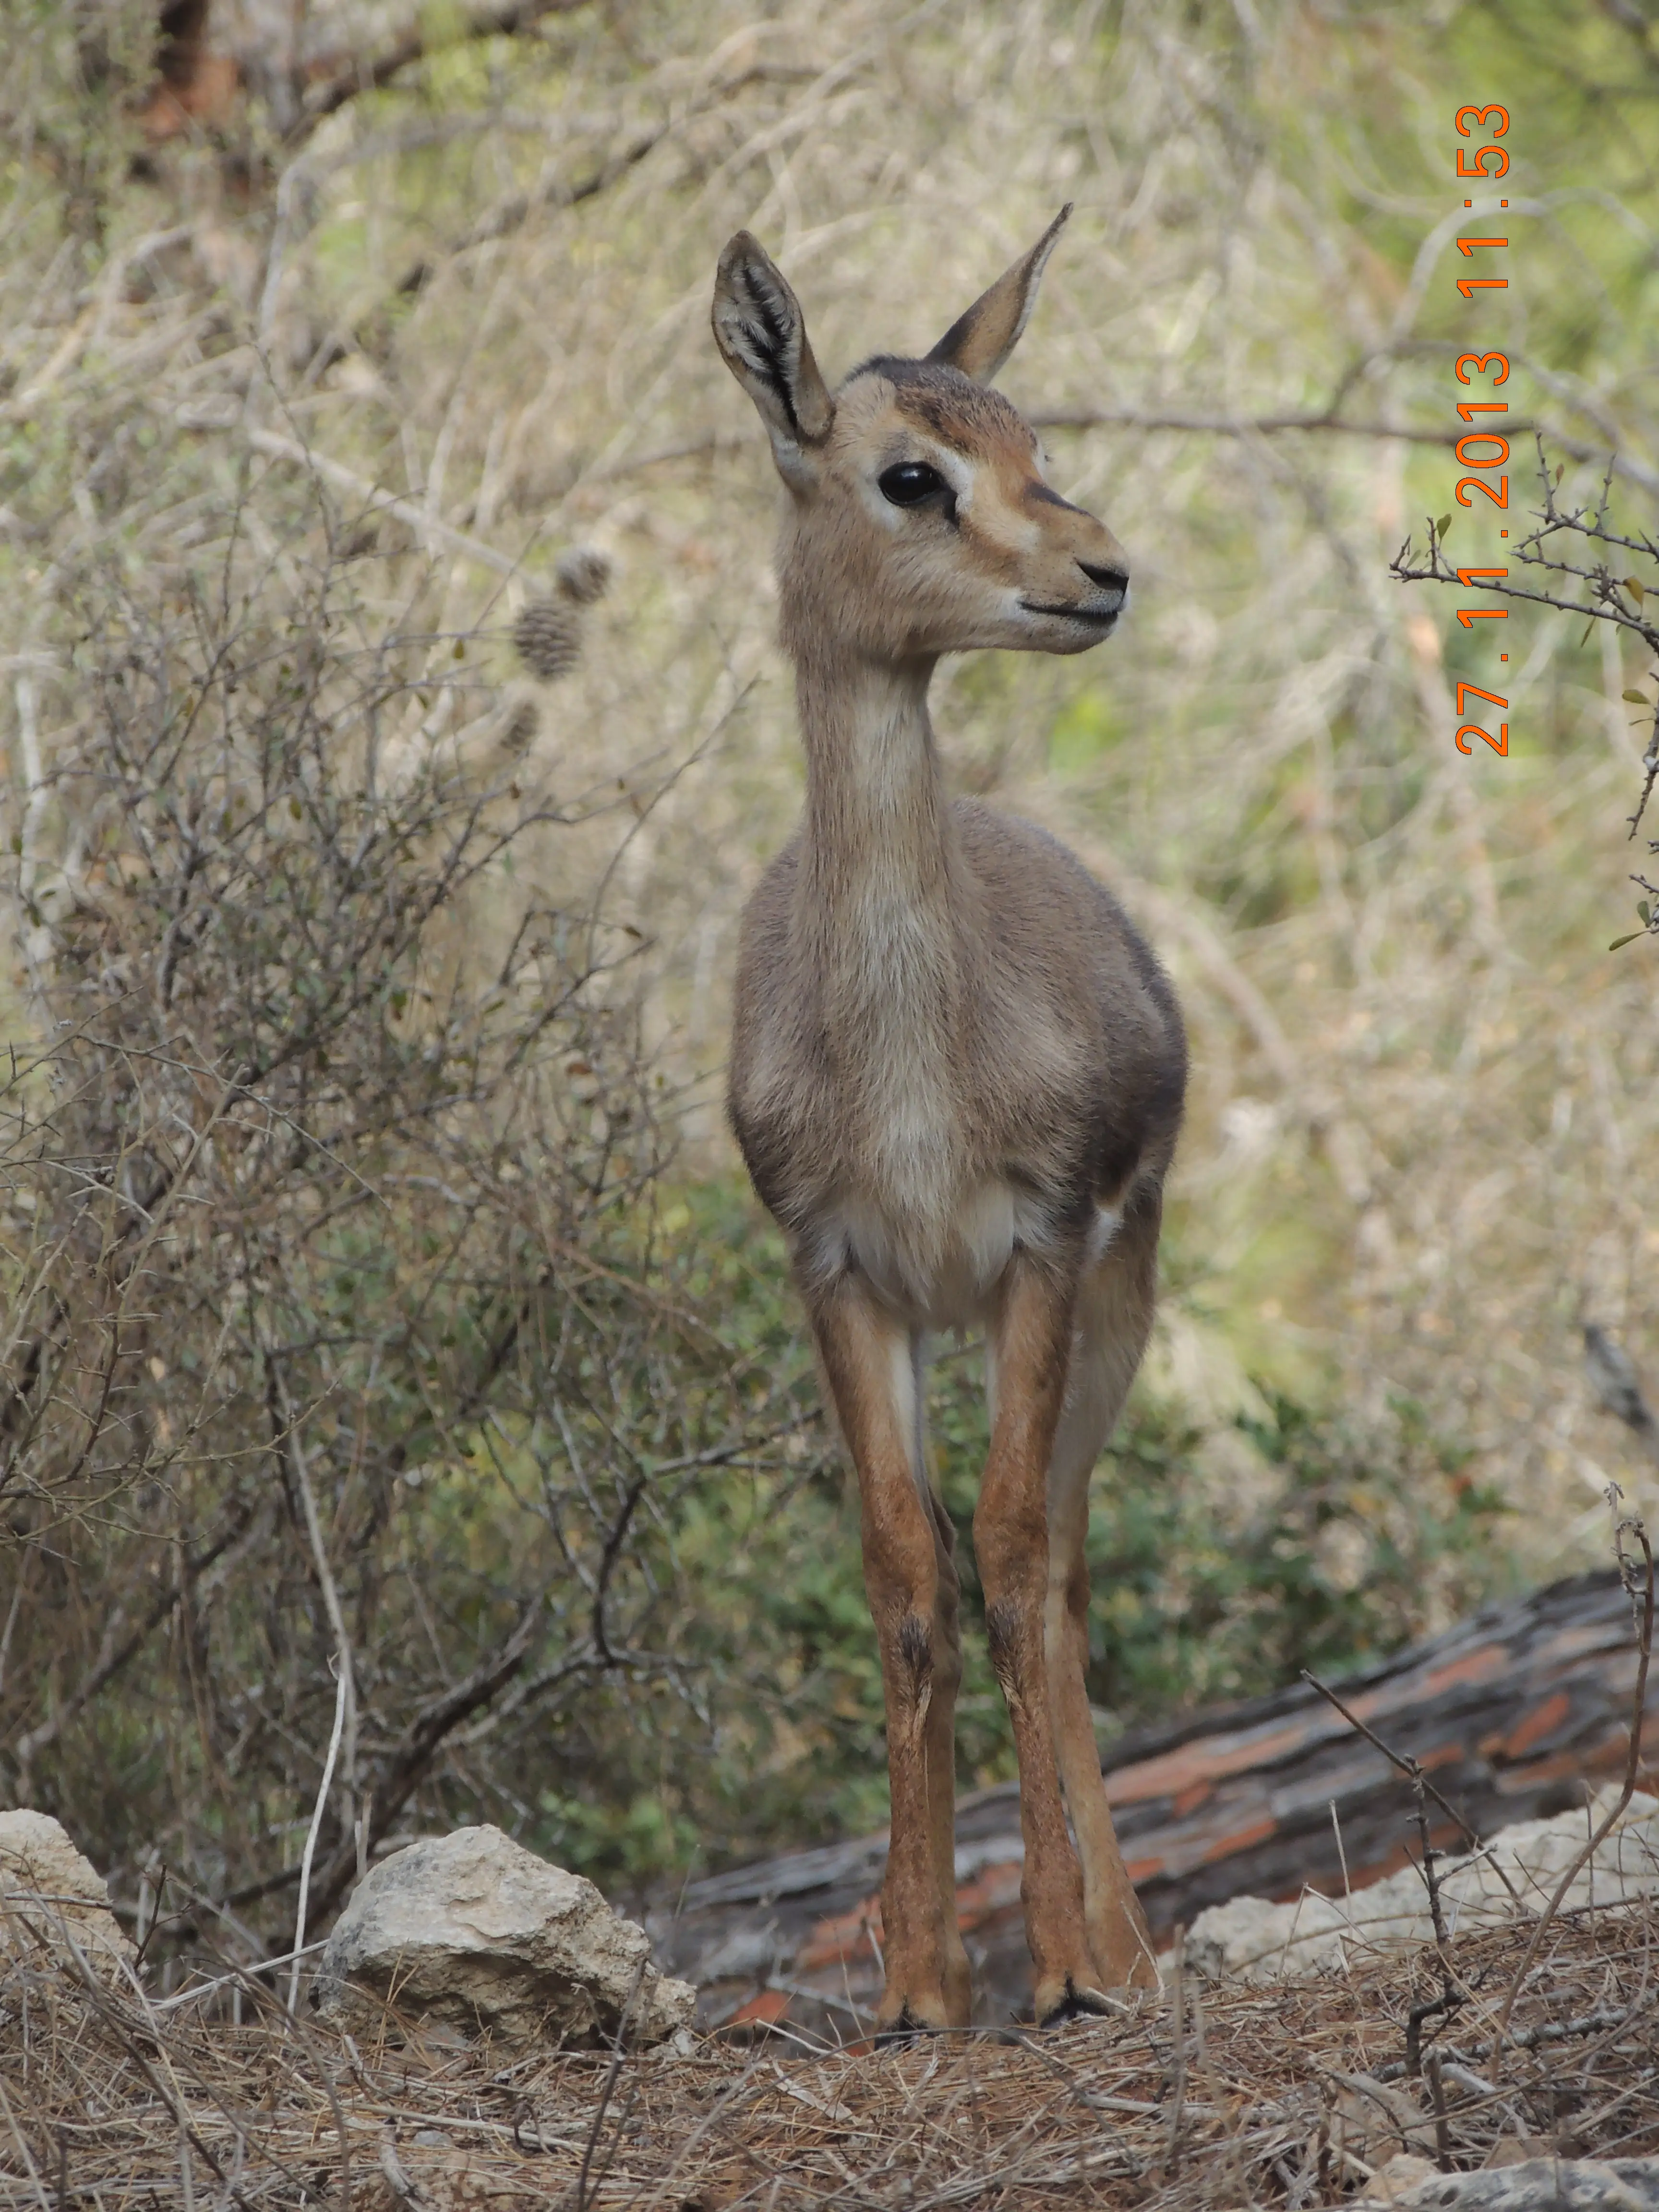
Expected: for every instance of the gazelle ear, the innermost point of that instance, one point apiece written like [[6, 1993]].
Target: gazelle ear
[[762, 335], [982, 339]]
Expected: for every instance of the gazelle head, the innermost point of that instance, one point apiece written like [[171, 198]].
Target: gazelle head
[[918, 521]]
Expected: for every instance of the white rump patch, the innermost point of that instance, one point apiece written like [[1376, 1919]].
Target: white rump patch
[[939, 1263]]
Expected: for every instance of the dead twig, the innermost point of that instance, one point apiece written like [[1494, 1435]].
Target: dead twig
[[1178, 2092], [1632, 1526], [1406, 1764], [612, 2072]]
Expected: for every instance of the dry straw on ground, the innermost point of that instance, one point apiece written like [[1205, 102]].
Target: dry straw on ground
[[1534, 2039], [1296, 2095]]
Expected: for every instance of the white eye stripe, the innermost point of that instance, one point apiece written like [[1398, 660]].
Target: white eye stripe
[[959, 472], [959, 468]]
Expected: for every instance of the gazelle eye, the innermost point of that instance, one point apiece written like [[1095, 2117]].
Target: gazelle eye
[[908, 482]]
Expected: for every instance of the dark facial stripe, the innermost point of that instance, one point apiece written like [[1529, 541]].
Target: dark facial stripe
[[1039, 493]]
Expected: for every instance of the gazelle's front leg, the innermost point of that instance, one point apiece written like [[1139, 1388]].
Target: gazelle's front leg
[[912, 1585], [1029, 1349]]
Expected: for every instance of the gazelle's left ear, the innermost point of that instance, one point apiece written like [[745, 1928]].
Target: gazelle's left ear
[[983, 338]]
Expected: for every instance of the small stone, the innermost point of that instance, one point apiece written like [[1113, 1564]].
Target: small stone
[[53, 1896], [1541, 2185], [1402, 2174], [474, 1932]]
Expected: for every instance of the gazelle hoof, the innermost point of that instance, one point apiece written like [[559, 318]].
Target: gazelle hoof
[[1077, 2002], [898, 2033]]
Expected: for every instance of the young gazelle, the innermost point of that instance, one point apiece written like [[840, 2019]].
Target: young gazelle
[[957, 1076]]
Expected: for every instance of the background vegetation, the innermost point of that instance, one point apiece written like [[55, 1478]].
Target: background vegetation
[[380, 1304]]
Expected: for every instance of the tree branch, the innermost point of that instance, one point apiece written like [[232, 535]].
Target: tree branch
[[38, 1738], [428, 526], [510, 213], [509, 19], [423, 1738], [1244, 426]]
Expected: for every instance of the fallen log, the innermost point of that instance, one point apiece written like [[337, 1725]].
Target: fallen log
[[1512, 1713]]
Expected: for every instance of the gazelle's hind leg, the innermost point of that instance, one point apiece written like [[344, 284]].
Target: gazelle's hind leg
[[941, 1733], [1114, 1315]]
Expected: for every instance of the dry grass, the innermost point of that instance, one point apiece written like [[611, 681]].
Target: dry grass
[[1293, 2096]]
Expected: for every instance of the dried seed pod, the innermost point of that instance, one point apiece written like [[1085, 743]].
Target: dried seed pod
[[521, 728], [549, 637], [582, 574]]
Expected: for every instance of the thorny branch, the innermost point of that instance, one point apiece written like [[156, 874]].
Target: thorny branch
[[1453, 1993], [1407, 1765]]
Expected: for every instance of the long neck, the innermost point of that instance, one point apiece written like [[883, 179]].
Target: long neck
[[882, 897], [880, 848]]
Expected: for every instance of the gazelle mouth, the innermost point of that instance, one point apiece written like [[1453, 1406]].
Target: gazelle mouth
[[1105, 615]]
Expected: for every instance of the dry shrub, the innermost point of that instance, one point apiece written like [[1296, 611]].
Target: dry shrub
[[338, 1366]]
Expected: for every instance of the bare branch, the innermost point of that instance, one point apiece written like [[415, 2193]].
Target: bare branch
[[507, 19], [1238, 426]]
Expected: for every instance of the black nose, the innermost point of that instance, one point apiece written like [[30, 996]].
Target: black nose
[[1109, 580]]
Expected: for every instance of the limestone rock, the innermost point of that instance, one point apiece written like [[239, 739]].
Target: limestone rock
[[473, 1931], [1517, 1872], [1538, 2185], [49, 1891], [1394, 2181]]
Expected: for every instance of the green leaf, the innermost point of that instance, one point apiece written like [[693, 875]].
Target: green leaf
[[1646, 912], [1629, 939], [1633, 585], [1638, 698], [1589, 627], [1442, 526]]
